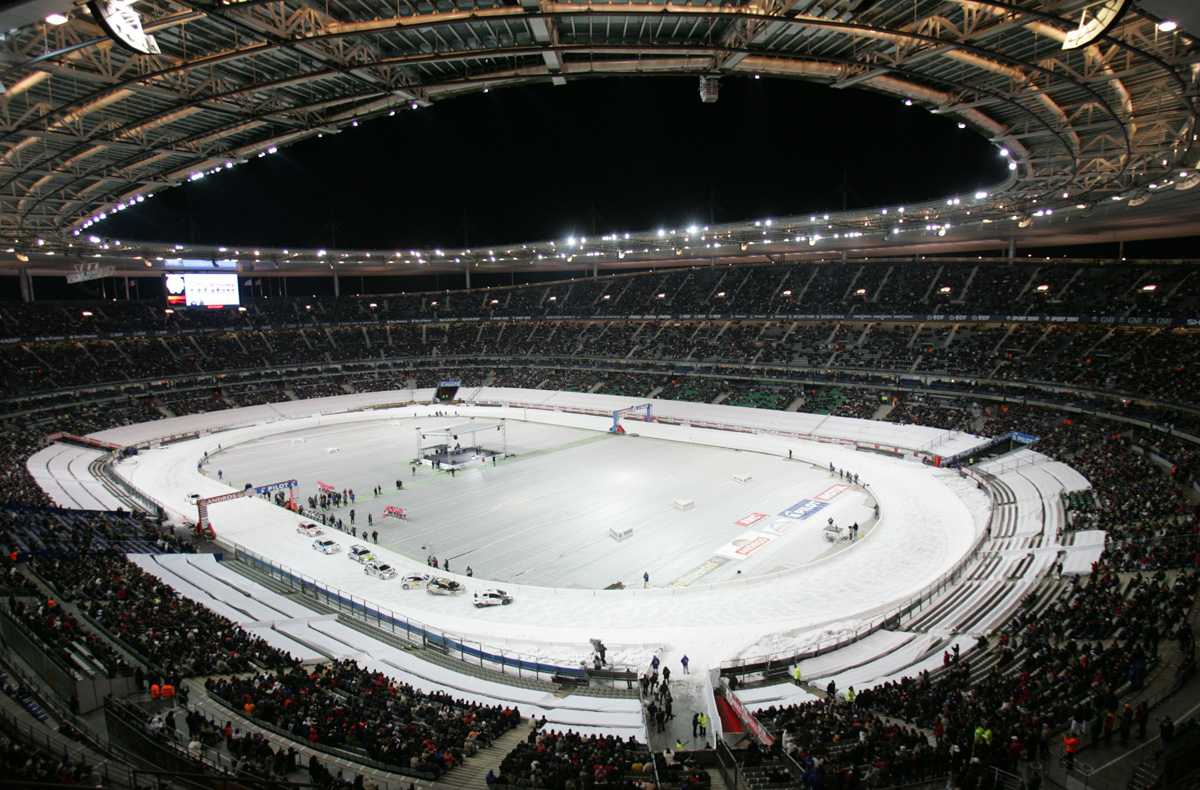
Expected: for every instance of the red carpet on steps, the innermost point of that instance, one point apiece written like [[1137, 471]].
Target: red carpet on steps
[[729, 720]]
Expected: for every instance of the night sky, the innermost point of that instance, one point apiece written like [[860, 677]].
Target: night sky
[[591, 157]]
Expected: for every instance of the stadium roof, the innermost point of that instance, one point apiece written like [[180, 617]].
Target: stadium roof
[[1101, 138]]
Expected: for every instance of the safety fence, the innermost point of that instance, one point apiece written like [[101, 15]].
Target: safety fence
[[412, 632]]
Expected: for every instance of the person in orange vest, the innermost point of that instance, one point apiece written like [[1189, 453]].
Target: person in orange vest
[[1072, 744], [168, 691], [155, 691]]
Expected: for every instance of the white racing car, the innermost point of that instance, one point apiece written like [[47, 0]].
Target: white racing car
[[492, 597], [379, 569], [417, 580], [326, 546], [360, 553], [312, 530]]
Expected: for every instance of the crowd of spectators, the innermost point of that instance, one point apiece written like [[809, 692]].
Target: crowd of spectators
[[1144, 361], [920, 286], [22, 762], [175, 636], [337, 705], [948, 415], [67, 532], [1053, 665], [66, 638], [556, 760], [1055, 669], [341, 705]]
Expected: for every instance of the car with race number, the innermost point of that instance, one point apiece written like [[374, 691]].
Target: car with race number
[[310, 529], [379, 569], [444, 587], [360, 553], [326, 546], [418, 580], [492, 597]]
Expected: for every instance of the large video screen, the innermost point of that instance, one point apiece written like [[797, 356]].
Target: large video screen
[[202, 290]]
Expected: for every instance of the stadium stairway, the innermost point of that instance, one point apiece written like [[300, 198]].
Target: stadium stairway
[[471, 774]]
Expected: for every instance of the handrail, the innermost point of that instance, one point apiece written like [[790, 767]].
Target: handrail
[[115, 773]]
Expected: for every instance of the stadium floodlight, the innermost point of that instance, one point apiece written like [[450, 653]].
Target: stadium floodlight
[[61, 19], [1165, 26]]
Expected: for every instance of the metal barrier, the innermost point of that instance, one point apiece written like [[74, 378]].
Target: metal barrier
[[450, 645], [727, 764]]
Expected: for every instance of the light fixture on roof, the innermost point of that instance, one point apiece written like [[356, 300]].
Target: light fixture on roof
[[61, 19], [1149, 287], [1165, 26], [908, 102]]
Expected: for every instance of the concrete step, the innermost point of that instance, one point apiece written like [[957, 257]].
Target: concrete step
[[718, 781], [472, 773]]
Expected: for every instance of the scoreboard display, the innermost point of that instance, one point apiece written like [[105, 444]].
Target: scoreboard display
[[203, 290]]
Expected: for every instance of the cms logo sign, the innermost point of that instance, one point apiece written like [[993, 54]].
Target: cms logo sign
[[803, 510]]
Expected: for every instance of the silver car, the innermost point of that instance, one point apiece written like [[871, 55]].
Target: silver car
[[379, 569], [360, 553], [326, 546]]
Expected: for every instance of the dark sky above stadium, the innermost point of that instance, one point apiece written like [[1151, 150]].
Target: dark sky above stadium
[[596, 156]]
